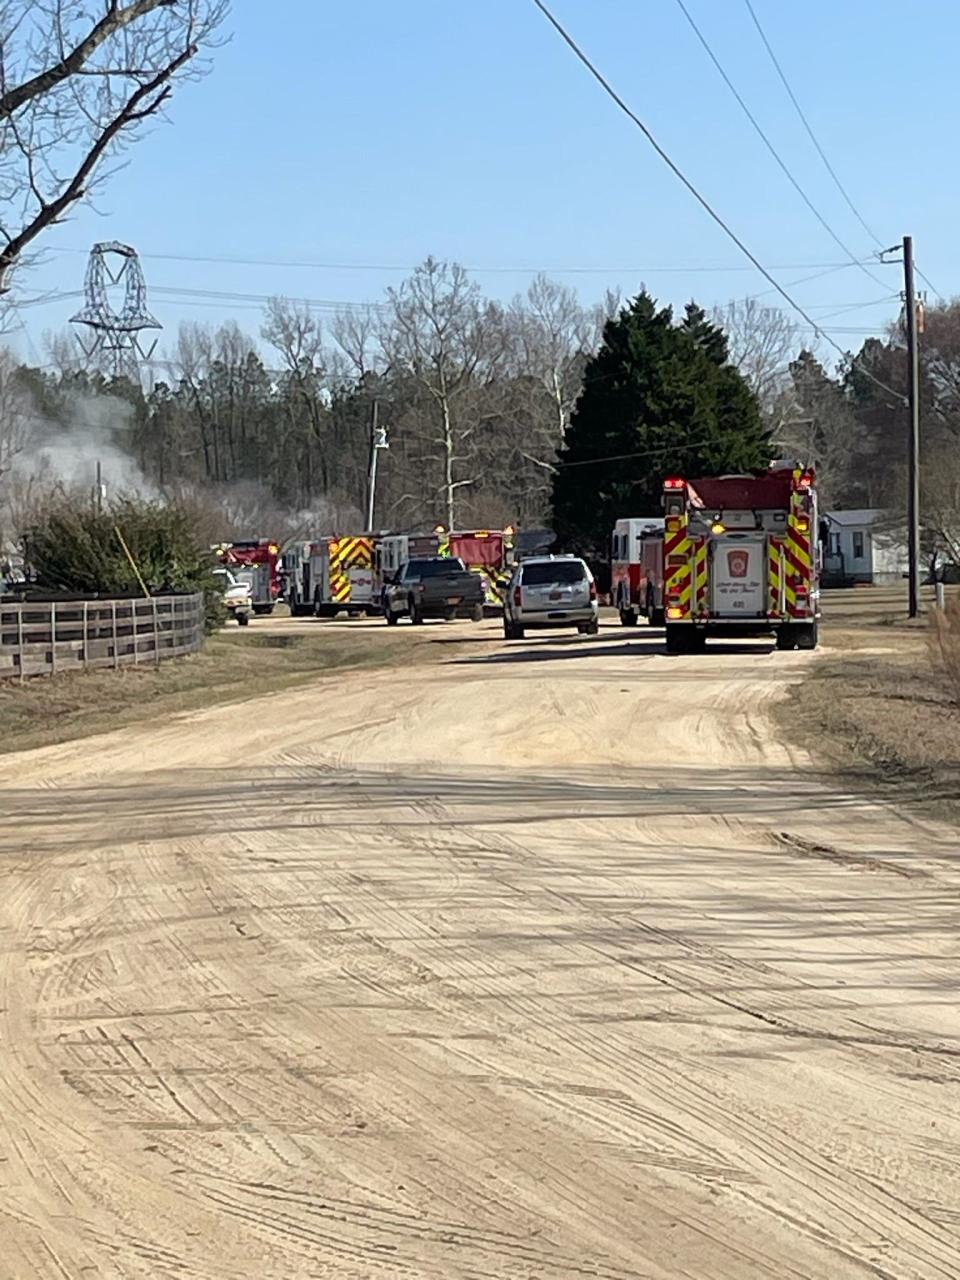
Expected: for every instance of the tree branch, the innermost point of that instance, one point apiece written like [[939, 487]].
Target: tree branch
[[131, 113], [114, 20]]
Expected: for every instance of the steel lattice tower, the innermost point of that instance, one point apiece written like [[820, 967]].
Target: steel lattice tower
[[114, 343]]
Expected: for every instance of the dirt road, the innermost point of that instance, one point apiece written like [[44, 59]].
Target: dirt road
[[545, 963]]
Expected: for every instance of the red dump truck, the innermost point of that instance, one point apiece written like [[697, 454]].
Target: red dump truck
[[742, 557]]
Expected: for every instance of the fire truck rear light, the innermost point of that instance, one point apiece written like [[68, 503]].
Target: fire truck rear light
[[806, 480], [673, 482], [674, 612], [718, 527], [273, 549]]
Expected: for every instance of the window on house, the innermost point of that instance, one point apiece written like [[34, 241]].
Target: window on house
[[834, 544], [858, 545]]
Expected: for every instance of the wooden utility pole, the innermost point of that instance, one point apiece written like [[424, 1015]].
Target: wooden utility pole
[[378, 441], [913, 442]]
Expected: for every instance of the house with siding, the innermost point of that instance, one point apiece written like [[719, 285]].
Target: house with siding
[[863, 546]]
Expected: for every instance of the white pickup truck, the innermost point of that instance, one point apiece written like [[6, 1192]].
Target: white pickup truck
[[237, 596]]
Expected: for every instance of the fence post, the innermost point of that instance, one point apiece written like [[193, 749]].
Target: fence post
[[113, 617], [85, 634], [53, 638], [19, 609], [941, 595], [156, 634]]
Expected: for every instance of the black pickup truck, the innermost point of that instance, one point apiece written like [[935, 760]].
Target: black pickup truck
[[434, 587]]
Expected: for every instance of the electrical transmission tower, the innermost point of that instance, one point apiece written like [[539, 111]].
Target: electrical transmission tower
[[114, 343]]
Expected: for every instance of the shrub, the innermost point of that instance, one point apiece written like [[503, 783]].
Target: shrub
[[71, 545]]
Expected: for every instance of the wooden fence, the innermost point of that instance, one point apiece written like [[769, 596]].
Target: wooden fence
[[44, 639]]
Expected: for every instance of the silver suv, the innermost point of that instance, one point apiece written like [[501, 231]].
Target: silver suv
[[550, 591]]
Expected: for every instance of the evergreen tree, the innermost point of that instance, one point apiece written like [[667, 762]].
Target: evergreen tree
[[657, 398]]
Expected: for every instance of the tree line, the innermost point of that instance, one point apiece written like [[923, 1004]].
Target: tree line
[[540, 411]]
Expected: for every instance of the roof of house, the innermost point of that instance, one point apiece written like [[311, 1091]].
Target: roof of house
[[864, 516]]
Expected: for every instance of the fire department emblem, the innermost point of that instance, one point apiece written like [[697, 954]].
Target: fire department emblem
[[737, 563]]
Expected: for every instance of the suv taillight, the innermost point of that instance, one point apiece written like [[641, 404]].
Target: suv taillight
[[593, 591], [516, 596]]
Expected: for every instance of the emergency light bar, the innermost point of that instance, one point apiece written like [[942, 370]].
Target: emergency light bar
[[674, 482]]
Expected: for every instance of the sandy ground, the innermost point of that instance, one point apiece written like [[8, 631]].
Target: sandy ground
[[548, 962]]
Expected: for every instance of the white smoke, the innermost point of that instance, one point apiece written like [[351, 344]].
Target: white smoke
[[69, 451]]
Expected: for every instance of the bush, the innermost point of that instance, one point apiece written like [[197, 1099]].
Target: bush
[[71, 545], [945, 645]]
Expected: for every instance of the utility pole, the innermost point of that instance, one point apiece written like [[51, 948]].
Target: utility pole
[[98, 495], [913, 398], [378, 441]]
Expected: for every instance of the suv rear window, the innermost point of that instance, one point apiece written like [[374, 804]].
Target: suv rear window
[[561, 571]]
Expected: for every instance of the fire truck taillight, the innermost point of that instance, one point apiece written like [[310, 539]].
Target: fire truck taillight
[[273, 549], [674, 612], [806, 480]]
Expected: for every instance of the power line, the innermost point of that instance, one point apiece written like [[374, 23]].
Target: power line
[[692, 269], [701, 200], [929, 283], [770, 147], [806, 124], [820, 151]]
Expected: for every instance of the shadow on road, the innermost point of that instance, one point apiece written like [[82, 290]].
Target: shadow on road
[[614, 644]]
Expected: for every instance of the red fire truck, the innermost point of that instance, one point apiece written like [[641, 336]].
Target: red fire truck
[[254, 562], [489, 552], [636, 570], [742, 556]]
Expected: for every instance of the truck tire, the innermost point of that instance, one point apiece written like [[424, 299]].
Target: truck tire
[[655, 617], [260, 609], [628, 617], [678, 639], [798, 635], [512, 630], [391, 617], [416, 616], [477, 615], [588, 628], [243, 619], [809, 636]]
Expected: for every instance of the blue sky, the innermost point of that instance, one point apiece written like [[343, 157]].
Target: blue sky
[[373, 133]]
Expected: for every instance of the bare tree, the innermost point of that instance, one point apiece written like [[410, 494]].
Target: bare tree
[[762, 341], [78, 79], [355, 331], [554, 335], [14, 413], [442, 334]]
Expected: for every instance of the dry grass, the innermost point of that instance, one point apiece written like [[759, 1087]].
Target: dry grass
[[944, 645], [881, 705], [234, 666]]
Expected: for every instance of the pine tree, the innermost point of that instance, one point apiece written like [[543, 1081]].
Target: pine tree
[[657, 398]]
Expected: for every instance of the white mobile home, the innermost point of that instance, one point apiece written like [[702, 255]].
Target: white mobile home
[[863, 546]]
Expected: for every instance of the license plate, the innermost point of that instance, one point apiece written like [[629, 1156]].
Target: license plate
[[454, 599], [556, 595]]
